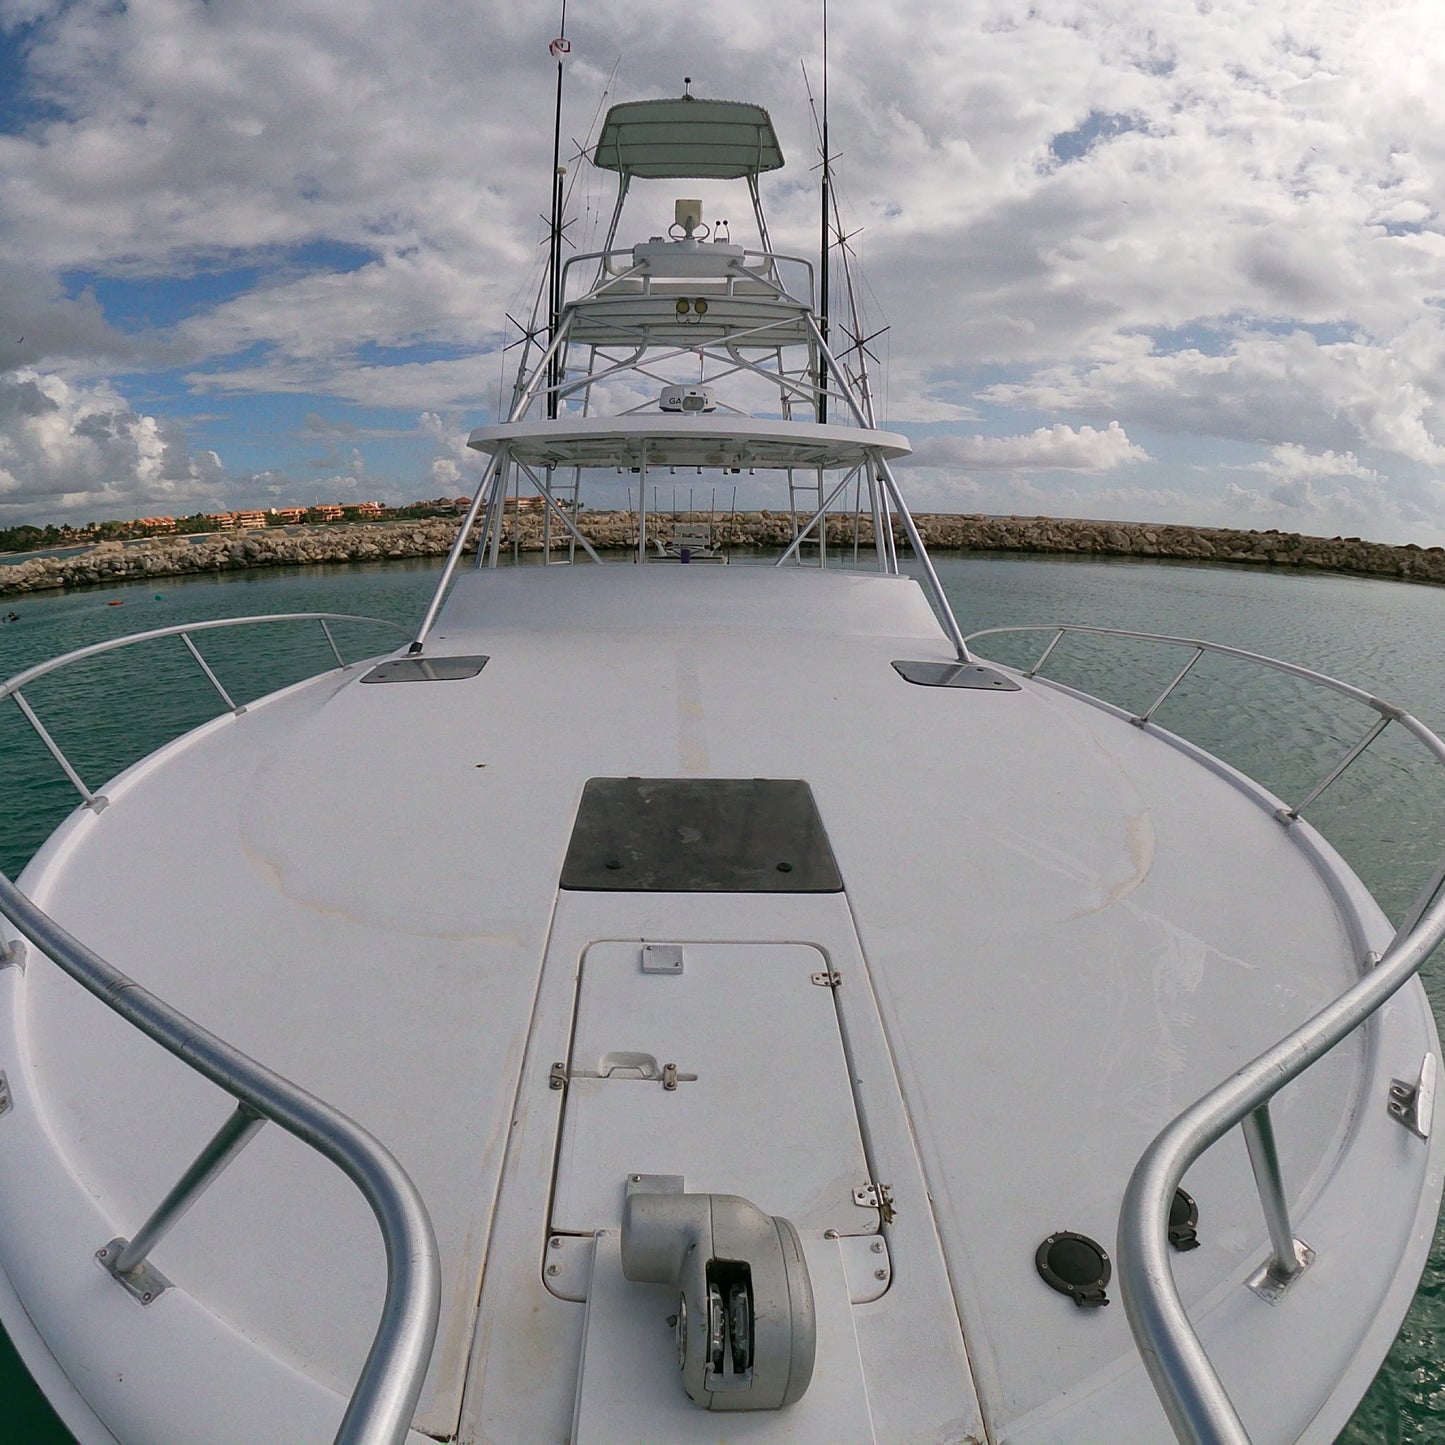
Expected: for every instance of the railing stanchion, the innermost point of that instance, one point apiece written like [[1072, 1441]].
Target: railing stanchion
[[205, 667], [1158, 701], [331, 643], [90, 798], [227, 1142], [1264, 1160], [1420, 906], [1044, 655], [1340, 766]]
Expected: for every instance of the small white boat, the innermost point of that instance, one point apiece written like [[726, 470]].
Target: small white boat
[[743, 1011]]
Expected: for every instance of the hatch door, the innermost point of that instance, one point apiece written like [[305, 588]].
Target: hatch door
[[721, 1063]]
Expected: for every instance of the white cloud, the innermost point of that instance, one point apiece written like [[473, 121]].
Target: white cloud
[[85, 450], [1055, 448], [1336, 492], [1220, 224], [1267, 388], [1291, 463], [455, 466], [407, 385]]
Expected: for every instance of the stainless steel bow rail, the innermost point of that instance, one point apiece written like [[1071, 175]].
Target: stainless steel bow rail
[[1188, 1386], [386, 1393], [13, 687]]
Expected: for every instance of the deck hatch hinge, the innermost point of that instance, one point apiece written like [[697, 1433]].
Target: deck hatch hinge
[[6, 1103], [557, 1078], [828, 978], [876, 1195], [1414, 1104], [12, 953]]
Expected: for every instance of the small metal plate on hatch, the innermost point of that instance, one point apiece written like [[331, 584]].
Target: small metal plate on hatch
[[956, 674], [699, 835], [426, 669]]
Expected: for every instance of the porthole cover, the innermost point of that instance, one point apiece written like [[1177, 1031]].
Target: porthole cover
[[1183, 1217], [1075, 1265]]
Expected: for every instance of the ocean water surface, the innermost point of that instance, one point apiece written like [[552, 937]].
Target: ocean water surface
[[1386, 815]]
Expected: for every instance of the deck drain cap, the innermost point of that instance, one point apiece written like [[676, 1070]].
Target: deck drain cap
[[1075, 1265], [1183, 1217]]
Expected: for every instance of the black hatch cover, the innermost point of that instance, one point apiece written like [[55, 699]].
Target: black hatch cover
[[700, 835]]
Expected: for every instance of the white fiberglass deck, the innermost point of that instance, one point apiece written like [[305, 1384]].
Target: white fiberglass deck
[[1055, 932]]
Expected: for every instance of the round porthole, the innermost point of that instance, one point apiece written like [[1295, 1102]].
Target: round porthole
[[1075, 1265]]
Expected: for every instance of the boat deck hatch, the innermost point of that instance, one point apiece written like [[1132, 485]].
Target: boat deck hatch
[[955, 674], [426, 669], [700, 835], [729, 1075]]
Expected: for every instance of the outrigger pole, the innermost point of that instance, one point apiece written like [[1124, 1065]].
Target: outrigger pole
[[560, 48], [826, 197]]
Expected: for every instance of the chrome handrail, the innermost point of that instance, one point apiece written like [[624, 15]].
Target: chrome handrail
[[387, 1390], [1185, 1380], [390, 1382], [11, 687], [1199, 1409]]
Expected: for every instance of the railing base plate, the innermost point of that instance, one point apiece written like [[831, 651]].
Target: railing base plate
[[144, 1283], [1269, 1286]]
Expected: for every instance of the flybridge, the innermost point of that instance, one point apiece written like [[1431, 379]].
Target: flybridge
[[749, 379], [732, 334]]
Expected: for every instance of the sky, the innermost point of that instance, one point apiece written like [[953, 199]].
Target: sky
[[1153, 260]]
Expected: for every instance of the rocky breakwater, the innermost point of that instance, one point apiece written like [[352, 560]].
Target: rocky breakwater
[[1192, 544], [229, 551], [113, 562]]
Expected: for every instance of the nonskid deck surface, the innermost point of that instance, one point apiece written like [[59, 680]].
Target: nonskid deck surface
[[1055, 932]]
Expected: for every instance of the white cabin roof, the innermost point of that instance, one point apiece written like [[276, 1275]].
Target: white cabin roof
[[676, 439]]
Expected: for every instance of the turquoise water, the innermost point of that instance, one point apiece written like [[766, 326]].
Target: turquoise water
[[1385, 815]]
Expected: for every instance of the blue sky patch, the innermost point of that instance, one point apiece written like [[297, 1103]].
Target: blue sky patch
[[1096, 128], [139, 303]]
